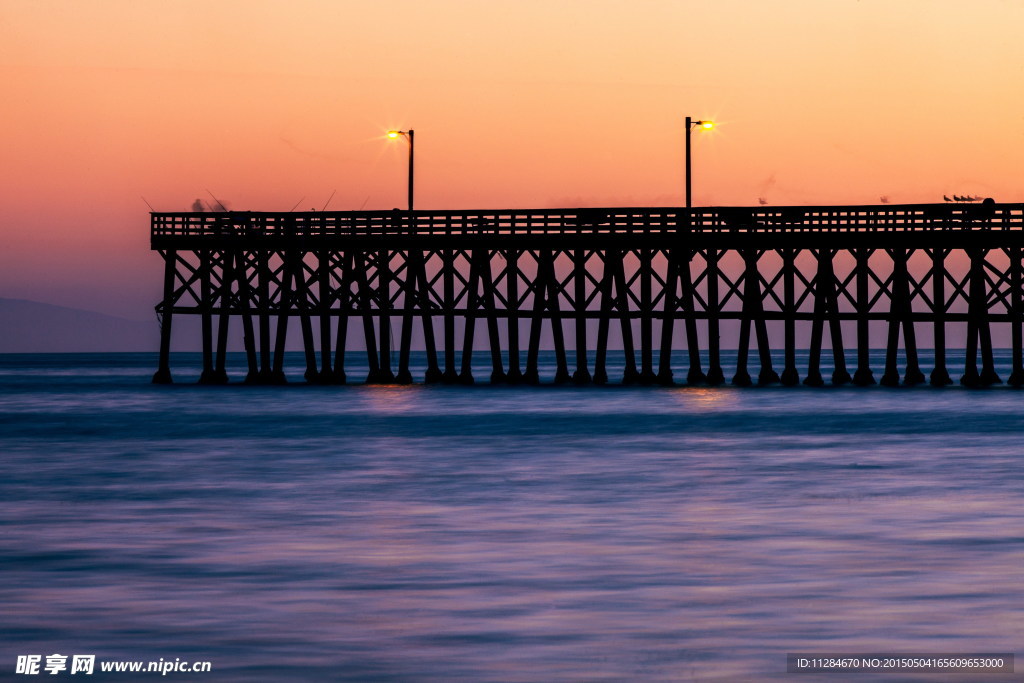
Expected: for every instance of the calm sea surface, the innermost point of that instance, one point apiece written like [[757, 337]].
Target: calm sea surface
[[488, 533]]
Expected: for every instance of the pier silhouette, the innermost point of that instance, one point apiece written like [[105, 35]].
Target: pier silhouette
[[566, 271]]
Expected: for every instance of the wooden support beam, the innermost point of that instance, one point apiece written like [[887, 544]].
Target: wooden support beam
[[668, 319], [480, 276], [557, 331], [604, 319], [913, 374], [694, 375], [988, 374], [304, 302], [206, 293], [891, 376], [545, 298], [363, 295], [540, 293], [582, 374], [790, 376], [326, 375], [940, 375], [978, 311], [767, 375], [971, 376], [385, 374], [263, 277], [491, 313], [753, 314], [840, 375], [285, 301], [630, 374], [515, 373], [814, 378], [164, 310], [223, 296], [246, 304], [742, 376], [344, 307], [900, 309], [410, 300], [451, 375], [1016, 316], [646, 272], [433, 374], [826, 309], [863, 375], [472, 305], [714, 307]]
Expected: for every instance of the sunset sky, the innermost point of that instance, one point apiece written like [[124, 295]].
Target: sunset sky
[[269, 104]]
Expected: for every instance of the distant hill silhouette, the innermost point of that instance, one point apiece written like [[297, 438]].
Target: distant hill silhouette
[[32, 327]]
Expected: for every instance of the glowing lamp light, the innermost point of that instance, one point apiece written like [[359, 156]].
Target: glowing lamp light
[[690, 125], [394, 134]]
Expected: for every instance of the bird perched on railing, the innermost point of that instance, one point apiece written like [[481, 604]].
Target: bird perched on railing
[[946, 198]]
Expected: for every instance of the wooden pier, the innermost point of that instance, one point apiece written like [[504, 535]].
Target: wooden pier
[[666, 278]]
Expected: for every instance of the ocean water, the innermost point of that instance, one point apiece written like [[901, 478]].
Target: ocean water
[[360, 533]]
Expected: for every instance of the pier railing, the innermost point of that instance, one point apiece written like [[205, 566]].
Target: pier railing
[[829, 219]]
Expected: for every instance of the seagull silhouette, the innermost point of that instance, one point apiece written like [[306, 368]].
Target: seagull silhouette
[[946, 198]]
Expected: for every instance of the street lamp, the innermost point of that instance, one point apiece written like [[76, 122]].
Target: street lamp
[[408, 135], [690, 125]]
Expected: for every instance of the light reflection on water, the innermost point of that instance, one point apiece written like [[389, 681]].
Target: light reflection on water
[[699, 399], [372, 533]]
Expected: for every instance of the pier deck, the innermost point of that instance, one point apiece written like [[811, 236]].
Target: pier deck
[[660, 276]]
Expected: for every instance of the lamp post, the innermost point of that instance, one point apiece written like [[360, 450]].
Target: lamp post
[[410, 136], [690, 125], [714, 375]]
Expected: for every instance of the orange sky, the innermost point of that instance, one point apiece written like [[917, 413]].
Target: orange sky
[[515, 104]]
